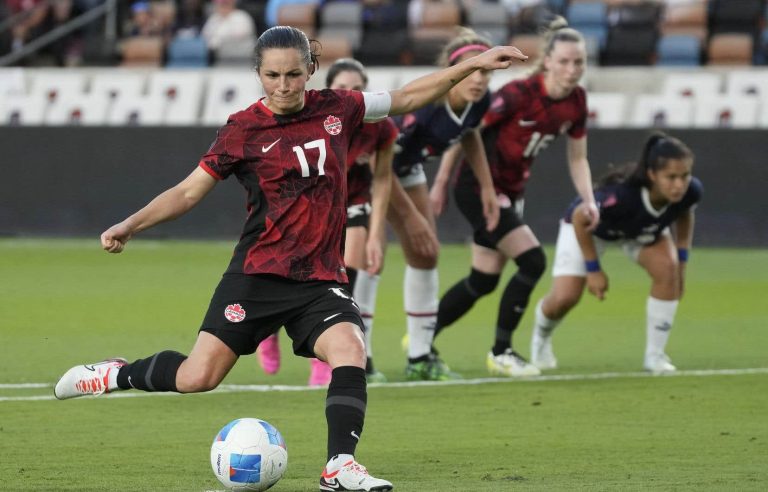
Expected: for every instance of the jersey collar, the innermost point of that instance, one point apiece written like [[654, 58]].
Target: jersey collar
[[459, 120], [646, 198]]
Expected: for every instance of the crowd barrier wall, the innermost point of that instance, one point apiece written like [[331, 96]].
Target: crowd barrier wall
[[76, 182]]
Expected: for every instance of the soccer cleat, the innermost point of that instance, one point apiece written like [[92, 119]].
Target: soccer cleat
[[510, 363], [269, 354], [320, 374], [542, 355], [432, 369], [352, 476], [375, 377], [659, 364], [88, 379]]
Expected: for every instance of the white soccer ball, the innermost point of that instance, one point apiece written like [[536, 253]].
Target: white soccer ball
[[249, 454]]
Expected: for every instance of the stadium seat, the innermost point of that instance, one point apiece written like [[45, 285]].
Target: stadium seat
[[12, 81], [692, 84], [686, 18], [589, 18], [52, 85], [489, 19], [438, 25], [333, 48], [633, 31], [118, 83], [752, 83], [606, 109], [730, 49], [235, 54], [659, 111], [20, 110], [736, 16], [229, 92], [299, 15], [187, 52], [725, 112], [180, 93], [87, 110], [342, 18], [144, 51], [678, 50], [137, 111]]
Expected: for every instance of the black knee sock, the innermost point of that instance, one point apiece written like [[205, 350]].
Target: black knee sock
[[156, 373], [345, 409], [352, 276], [461, 297], [514, 300]]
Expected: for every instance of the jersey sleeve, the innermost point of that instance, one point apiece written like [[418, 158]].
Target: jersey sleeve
[[579, 127], [502, 105], [695, 192], [225, 152], [610, 201]]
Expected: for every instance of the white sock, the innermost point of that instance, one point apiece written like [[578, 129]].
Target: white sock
[[112, 380], [366, 287], [659, 318], [337, 461], [543, 325], [420, 298]]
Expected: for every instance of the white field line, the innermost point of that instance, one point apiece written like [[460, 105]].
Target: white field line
[[262, 388]]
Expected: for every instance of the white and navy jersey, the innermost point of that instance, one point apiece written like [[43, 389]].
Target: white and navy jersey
[[626, 212], [432, 129]]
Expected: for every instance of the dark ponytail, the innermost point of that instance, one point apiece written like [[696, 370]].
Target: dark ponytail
[[658, 149]]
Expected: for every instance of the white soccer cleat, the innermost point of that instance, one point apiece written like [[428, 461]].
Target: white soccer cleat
[[510, 363], [88, 379], [542, 355], [352, 476], [658, 364]]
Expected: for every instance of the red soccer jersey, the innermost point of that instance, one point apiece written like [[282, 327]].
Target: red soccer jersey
[[293, 169], [365, 143], [522, 121]]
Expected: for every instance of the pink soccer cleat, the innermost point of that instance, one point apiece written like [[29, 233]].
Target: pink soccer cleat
[[269, 354], [321, 373]]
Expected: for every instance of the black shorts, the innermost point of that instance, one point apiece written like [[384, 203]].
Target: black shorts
[[358, 214], [470, 205], [246, 309]]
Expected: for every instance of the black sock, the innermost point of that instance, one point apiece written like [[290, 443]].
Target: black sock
[[156, 373], [369, 369], [345, 409], [352, 276], [514, 300], [461, 297]]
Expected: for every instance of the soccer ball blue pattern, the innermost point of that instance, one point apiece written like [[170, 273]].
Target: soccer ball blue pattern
[[249, 455]]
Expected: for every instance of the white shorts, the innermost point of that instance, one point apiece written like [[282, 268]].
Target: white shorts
[[569, 260], [415, 177]]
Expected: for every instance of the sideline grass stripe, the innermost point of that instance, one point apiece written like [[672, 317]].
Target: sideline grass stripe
[[262, 388]]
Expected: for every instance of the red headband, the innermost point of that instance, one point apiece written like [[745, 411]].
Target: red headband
[[470, 47]]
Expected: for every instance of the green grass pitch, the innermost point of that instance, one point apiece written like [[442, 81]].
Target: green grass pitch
[[600, 425]]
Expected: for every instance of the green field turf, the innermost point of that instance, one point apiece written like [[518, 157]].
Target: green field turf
[[596, 424]]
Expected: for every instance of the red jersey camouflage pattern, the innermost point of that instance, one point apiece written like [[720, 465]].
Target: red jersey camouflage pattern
[[521, 122], [293, 168], [365, 143]]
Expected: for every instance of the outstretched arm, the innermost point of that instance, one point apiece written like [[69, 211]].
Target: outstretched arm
[[429, 88], [166, 206], [582, 179]]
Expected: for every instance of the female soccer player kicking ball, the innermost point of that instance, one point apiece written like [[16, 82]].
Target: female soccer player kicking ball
[[288, 150], [638, 205]]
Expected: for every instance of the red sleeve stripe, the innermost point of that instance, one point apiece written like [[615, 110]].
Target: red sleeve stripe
[[210, 171]]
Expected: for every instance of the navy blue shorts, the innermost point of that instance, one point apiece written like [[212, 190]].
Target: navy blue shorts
[[246, 309]]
